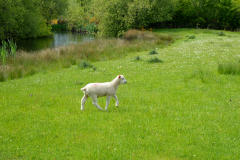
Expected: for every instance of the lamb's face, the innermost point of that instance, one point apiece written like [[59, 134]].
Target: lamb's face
[[122, 79]]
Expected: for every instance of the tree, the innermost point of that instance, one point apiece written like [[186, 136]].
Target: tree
[[146, 12], [51, 9], [112, 16], [21, 19], [74, 15]]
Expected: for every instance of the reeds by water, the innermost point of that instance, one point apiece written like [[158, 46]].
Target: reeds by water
[[8, 49]]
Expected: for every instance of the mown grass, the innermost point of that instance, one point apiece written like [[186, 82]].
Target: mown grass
[[180, 109]]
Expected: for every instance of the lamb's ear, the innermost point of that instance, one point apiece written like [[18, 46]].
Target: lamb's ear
[[119, 76]]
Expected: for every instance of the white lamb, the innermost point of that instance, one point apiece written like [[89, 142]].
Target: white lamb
[[95, 90]]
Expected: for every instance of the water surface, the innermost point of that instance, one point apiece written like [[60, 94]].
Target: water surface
[[56, 40]]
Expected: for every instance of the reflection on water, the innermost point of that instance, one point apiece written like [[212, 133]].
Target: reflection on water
[[56, 40]]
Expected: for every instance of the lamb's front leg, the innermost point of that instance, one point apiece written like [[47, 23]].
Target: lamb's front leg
[[94, 101], [117, 103], [107, 103]]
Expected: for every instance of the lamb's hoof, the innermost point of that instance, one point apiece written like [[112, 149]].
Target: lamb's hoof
[[116, 106]]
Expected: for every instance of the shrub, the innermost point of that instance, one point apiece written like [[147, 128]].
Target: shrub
[[85, 64], [152, 52], [137, 58], [222, 34], [59, 27], [192, 37], [155, 60], [131, 34]]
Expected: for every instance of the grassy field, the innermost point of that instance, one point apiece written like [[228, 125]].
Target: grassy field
[[181, 108]]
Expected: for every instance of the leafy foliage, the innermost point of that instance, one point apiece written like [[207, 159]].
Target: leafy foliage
[[28, 18], [144, 13], [51, 9], [74, 15]]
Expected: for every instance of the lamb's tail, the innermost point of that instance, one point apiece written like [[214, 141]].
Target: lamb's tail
[[83, 89]]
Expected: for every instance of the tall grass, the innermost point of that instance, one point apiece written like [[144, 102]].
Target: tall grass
[[4, 52], [229, 68], [12, 48], [63, 57]]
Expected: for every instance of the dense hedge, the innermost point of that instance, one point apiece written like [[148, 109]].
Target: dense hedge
[[212, 14]]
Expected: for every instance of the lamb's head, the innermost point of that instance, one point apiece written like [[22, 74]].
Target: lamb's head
[[121, 79]]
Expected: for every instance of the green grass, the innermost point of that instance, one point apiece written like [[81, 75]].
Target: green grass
[[180, 109]]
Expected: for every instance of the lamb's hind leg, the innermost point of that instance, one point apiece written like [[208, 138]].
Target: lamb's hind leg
[[84, 99], [94, 101]]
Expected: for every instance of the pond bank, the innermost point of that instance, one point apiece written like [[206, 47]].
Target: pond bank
[[27, 63]]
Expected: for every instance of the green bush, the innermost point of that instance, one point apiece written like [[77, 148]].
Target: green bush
[[91, 28], [155, 60], [59, 27], [85, 64], [152, 52], [192, 37], [222, 34], [137, 58]]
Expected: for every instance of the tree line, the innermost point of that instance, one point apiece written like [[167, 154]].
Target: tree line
[[31, 18], [212, 14]]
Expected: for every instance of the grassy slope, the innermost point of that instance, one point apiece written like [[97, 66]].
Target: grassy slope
[[179, 109]]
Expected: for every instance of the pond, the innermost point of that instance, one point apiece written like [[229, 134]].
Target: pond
[[56, 40]]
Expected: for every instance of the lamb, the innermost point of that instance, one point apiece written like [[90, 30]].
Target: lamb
[[96, 90]]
